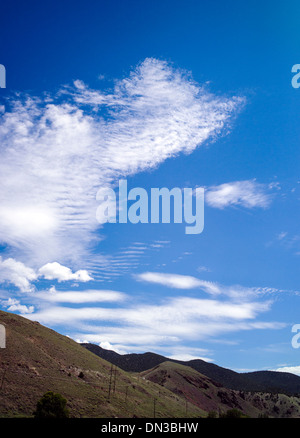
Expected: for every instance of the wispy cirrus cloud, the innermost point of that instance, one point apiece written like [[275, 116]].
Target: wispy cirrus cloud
[[80, 297], [132, 324], [107, 266], [177, 309], [167, 325], [248, 194], [177, 281], [64, 148]]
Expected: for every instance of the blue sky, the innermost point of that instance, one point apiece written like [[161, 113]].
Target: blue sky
[[163, 94]]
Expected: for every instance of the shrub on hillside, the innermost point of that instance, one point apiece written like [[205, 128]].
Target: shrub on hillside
[[233, 413], [51, 405], [212, 414]]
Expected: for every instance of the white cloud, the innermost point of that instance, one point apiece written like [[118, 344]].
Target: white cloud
[[108, 346], [14, 305], [134, 326], [178, 281], [248, 194], [56, 271], [203, 269], [166, 338], [17, 273], [21, 276], [177, 310], [186, 353], [86, 296], [186, 357], [57, 152], [293, 370], [282, 235]]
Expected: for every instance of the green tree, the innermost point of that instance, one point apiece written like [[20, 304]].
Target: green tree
[[51, 405], [233, 413], [212, 414]]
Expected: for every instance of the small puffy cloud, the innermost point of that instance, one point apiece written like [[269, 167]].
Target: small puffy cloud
[[248, 194], [17, 274], [56, 271], [14, 305], [22, 276]]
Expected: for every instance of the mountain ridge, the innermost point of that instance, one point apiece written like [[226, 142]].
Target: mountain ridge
[[257, 381]]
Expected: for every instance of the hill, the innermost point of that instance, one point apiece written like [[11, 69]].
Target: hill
[[198, 389], [259, 381], [37, 359], [210, 396], [134, 363]]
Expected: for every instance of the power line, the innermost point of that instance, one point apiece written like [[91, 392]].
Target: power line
[[111, 385]]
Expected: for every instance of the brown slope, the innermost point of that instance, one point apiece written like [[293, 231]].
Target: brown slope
[[198, 389], [37, 359]]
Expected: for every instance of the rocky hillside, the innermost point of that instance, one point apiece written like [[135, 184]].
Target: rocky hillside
[[199, 390], [210, 396]]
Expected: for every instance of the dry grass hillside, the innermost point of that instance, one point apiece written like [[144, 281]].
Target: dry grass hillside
[[37, 359]]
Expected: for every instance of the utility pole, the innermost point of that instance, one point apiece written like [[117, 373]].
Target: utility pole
[[110, 378], [3, 379], [154, 406], [115, 378]]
